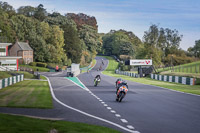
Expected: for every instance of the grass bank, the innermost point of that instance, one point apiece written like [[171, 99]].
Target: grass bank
[[4, 75], [174, 86], [21, 124], [193, 67], [27, 94]]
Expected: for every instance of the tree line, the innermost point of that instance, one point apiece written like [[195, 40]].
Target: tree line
[[54, 38], [159, 44], [62, 39]]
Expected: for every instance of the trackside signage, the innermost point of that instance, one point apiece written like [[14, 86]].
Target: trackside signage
[[141, 62]]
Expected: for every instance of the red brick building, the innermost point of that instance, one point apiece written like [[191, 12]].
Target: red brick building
[[22, 49]]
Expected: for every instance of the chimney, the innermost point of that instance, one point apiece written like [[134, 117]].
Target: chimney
[[27, 41]]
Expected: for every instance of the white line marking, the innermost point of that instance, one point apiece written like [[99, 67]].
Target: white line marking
[[112, 111], [105, 105], [109, 108], [102, 102], [84, 113], [136, 132], [130, 127], [124, 120], [117, 115]]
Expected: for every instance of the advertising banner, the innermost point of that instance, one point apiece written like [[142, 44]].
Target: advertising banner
[[143, 62]]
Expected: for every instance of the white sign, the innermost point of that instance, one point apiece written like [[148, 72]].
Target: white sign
[[147, 62]]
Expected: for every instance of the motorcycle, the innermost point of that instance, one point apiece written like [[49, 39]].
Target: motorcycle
[[121, 93], [96, 81]]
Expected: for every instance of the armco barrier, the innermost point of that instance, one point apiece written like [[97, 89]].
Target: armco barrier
[[11, 80], [176, 79], [127, 73]]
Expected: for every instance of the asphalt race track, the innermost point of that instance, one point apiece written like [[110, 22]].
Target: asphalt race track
[[145, 109]]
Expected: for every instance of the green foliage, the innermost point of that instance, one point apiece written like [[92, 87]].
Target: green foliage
[[28, 11], [195, 51], [6, 31], [90, 43], [72, 43], [120, 43], [40, 64], [33, 63], [158, 43], [40, 12]]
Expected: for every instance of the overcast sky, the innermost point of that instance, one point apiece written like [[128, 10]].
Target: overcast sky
[[131, 15]]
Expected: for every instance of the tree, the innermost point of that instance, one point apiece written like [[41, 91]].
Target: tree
[[195, 51], [28, 11], [6, 33], [4, 6], [118, 43], [72, 43], [40, 12], [160, 41]]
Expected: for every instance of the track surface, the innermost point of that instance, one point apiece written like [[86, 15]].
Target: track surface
[[147, 108]]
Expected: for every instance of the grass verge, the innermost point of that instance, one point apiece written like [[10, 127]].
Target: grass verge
[[28, 93], [174, 86], [21, 124]]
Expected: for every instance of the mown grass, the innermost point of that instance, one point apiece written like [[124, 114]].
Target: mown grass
[[35, 68], [174, 86], [21, 124], [28, 93], [113, 64]]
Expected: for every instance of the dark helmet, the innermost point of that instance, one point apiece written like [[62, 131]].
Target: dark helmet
[[120, 79], [124, 82]]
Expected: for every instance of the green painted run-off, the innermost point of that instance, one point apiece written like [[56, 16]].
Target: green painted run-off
[[75, 79]]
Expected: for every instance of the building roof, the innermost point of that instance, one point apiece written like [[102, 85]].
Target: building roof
[[5, 44], [10, 57], [24, 46]]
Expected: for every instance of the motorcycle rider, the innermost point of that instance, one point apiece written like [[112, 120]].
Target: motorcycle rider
[[119, 83], [98, 77], [102, 61]]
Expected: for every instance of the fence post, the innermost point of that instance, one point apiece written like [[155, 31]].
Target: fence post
[[190, 69]]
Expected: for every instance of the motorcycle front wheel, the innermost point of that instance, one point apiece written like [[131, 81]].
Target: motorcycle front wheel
[[122, 94]]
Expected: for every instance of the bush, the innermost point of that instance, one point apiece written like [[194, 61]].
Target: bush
[[40, 64], [33, 64], [197, 81]]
